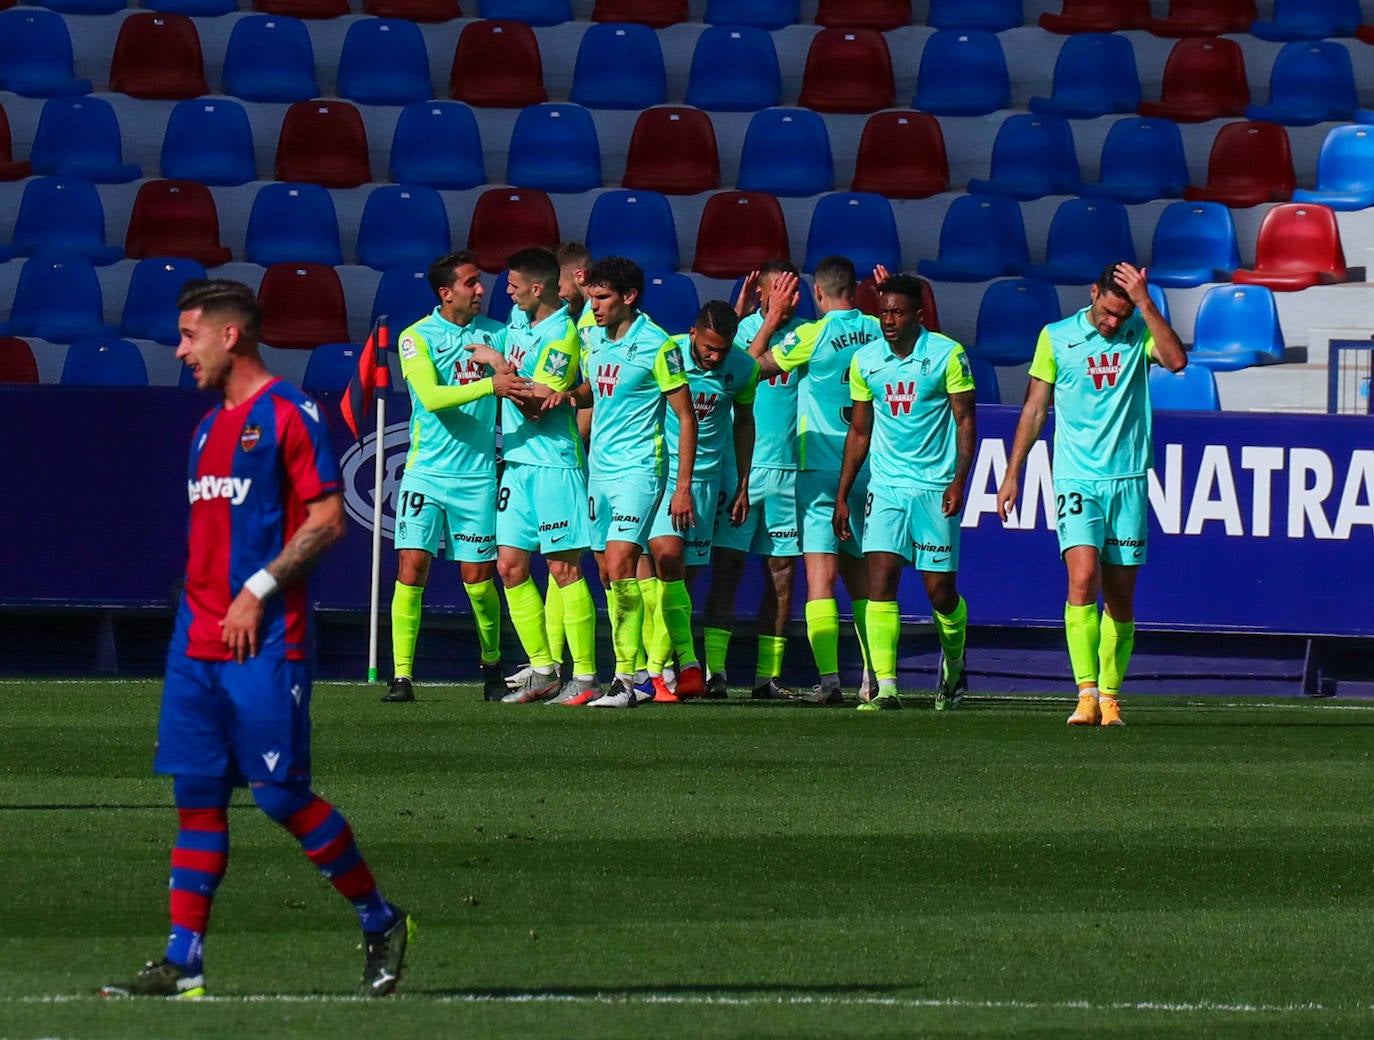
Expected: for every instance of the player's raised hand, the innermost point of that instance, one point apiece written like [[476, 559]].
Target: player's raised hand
[[1132, 281], [239, 629], [783, 296], [747, 299], [508, 384], [839, 520], [682, 511], [1007, 495], [880, 274]]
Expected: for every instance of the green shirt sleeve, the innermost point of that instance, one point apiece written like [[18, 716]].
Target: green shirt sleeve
[[668, 367], [750, 389], [1042, 365], [417, 367], [797, 346], [959, 373], [557, 367], [859, 390]]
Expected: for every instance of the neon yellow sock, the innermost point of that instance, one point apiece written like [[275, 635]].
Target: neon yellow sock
[[675, 605], [627, 624], [771, 649], [952, 629], [1082, 630], [1114, 653], [579, 621], [717, 645], [884, 630], [823, 632], [486, 612], [526, 609], [553, 621], [405, 627], [649, 589], [861, 629]]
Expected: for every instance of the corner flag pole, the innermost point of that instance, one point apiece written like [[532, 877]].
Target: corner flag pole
[[378, 475]]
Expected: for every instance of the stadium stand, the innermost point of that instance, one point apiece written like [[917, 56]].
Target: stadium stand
[[989, 15], [1250, 163], [1085, 235], [734, 69], [1192, 390], [403, 297], [414, 10], [1142, 159], [554, 147], [36, 55], [303, 306], [531, 12], [1194, 242], [858, 225], [982, 237], [209, 140], [673, 150], [879, 15], [1345, 170], [1311, 82], [1309, 20], [619, 65], [1299, 245], [402, 225], [1204, 78], [10, 169], [438, 144], [324, 143], [671, 299], [175, 219], [330, 367], [17, 363], [62, 215], [150, 305], [763, 14], [293, 223], [1032, 156], [104, 361], [962, 74], [1188, 18], [158, 56], [1094, 74], [786, 152], [507, 219], [303, 8], [1096, 16], [738, 231], [637, 224], [1236, 326], [58, 299], [270, 58], [985, 388], [848, 70], [80, 137], [384, 62], [901, 155], [1010, 317], [656, 14]]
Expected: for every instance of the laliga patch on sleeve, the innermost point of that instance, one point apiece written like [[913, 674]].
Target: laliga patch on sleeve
[[407, 346]]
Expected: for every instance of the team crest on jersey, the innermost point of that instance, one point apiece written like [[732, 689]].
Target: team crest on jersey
[[704, 404], [925, 366], [557, 364], [408, 348], [674, 361], [1104, 369], [248, 439], [899, 397], [607, 378]]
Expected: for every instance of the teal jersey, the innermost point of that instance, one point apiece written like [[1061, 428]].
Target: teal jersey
[[820, 352], [629, 377], [775, 403], [1102, 419], [458, 441], [714, 395], [545, 353], [914, 443]]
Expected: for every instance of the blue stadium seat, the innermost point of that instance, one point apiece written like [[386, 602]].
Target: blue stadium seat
[[1194, 242], [63, 215], [403, 297], [293, 223], [58, 299], [36, 55], [531, 12], [499, 303], [1345, 170], [787, 152], [270, 58], [637, 224], [962, 73], [1085, 236], [1142, 159], [1032, 156], [982, 237], [1192, 390], [1236, 326], [1161, 300], [209, 140], [990, 15], [104, 361], [1094, 75], [384, 62], [619, 65], [79, 137], [764, 14], [1010, 318], [985, 388], [554, 147], [1311, 82], [734, 69], [84, 6], [855, 224], [1309, 20], [671, 299], [403, 225], [150, 306], [437, 144], [331, 366], [193, 8]]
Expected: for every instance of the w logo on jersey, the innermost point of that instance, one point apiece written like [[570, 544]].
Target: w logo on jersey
[[899, 397], [1104, 369], [465, 372], [516, 356], [780, 379], [607, 378], [704, 405]]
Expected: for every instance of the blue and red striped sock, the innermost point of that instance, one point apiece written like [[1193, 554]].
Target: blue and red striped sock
[[199, 859]]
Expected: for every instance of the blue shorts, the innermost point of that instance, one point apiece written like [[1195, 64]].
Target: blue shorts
[[1113, 516], [542, 508], [771, 528], [244, 722], [816, 499], [910, 522], [457, 515], [622, 508], [696, 540]]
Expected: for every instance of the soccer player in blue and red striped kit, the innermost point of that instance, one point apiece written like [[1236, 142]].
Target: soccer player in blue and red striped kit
[[265, 504]]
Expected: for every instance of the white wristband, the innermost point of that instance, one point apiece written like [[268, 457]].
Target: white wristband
[[261, 584]]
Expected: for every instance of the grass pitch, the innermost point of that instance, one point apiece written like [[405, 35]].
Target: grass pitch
[[732, 869]]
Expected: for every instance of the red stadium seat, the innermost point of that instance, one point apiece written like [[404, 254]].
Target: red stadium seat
[[866, 300], [673, 150], [497, 65], [302, 306], [881, 15], [177, 219], [507, 219], [324, 143], [414, 10], [9, 169], [1103, 16], [902, 155], [1204, 78], [1204, 18], [848, 70], [1299, 245], [158, 55], [1365, 33], [303, 8], [657, 14], [1251, 162], [17, 363], [739, 230]]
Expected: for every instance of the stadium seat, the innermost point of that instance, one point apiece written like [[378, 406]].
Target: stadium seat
[[10, 170], [305, 9], [1204, 18], [878, 15], [104, 361], [17, 363], [1096, 16], [1299, 245], [1236, 326], [209, 140], [554, 147], [270, 58], [507, 219], [1365, 33], [734, 69], [80, 137], [158, 56], [982, 237], [848, 70], [175, 219], [36, 55], [786, 152], [1311, 82], [499, 303], [619, 65], [962, 73], [1085, 236], [83, 6], [437, 144], [497, 65], [414, 10], [403, 296], [150, 305], [1192, 390], [670, 299], [402, 225], [331, 366], [739, 230], [1250, 163], [1094, 75], [762, 14], [302, 306], [1010, 317], [293, 223], [58, 299], [1194, 242], [1142, 159], [1309, 20], [384, 62], [193, 8], [901, 155], [673, 150], [657, 14], [1032, 156], [531, 12], [637, 224], [324, 143], [867, 299], [985, 388], [857, 225], [1204, 78], [1160, 298], [990, 15], [62, 215], [1345, 170]]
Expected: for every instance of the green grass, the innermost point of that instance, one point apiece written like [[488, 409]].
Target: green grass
[[721, 870]]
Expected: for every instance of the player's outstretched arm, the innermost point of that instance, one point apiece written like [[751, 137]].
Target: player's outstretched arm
[[1028, 427], [856, 444]]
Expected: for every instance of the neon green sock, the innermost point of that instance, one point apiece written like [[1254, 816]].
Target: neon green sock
[[526, 608], [486, 612], [771, 649], [884, 630], [952, 629], [649, 589], [553, 621], [861, 628], [1114, 653], [405, 627], [675, 606], [717, 645], [579, 621], [823, 632], [1082, 630], [627, 624]]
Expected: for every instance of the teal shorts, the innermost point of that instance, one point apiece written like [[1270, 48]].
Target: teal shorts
[[910, 522], [772, 528], [622, 508], [542, 508], [696, 540], [1113, 516], [454, 518], [816, 500]]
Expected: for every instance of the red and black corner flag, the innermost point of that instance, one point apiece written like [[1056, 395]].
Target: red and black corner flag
[[373, 377]]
